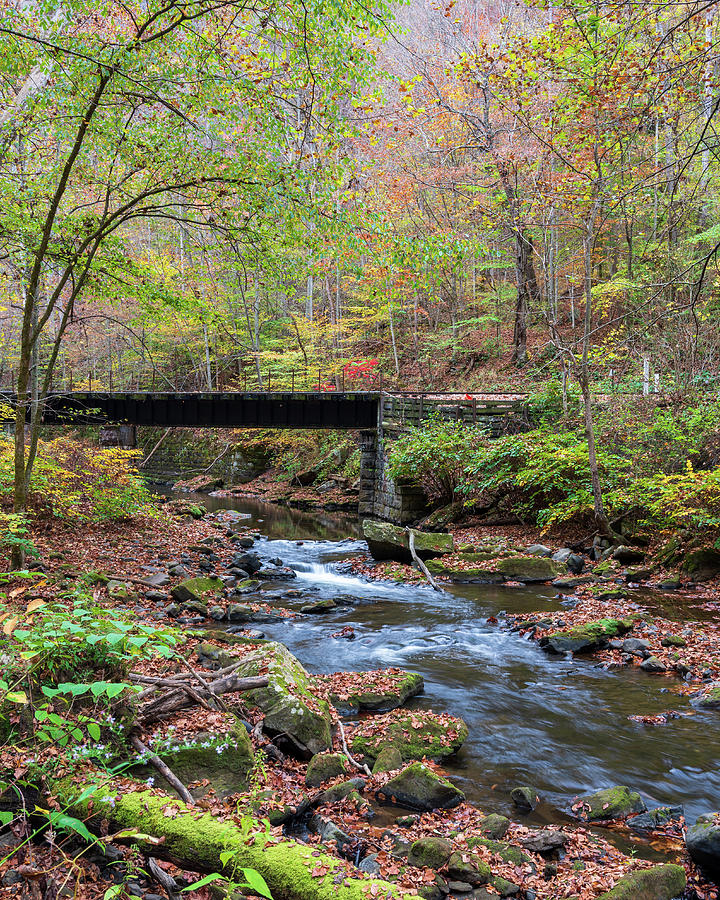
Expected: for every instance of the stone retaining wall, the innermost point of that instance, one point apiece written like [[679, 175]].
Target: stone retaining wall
[[382, 497]]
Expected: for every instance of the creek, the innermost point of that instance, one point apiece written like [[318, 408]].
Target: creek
[[558, 724]]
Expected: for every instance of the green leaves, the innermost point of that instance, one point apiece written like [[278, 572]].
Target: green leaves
[[62, 822], [253, 879], [109, 689]]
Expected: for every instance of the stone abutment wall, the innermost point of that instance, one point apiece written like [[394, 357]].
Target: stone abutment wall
[[381, 497]]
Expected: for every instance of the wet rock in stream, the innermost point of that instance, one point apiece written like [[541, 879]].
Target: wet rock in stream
[[418, 787]]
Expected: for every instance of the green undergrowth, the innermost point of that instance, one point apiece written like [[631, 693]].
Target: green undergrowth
[[659, 466], [65, 679]]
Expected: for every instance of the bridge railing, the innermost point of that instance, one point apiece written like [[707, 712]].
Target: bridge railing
[[494, 414], [271, 381]]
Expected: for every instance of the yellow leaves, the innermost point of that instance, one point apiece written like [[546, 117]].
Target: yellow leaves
[[34, 605], [16, 697], [9, 626]]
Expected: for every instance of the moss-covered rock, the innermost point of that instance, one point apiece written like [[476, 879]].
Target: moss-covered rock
[[388, 541], [389, 759], [506, 852], [223, 758], [324, 767], [418, 787], [466, 568], [340, 791], [432, 852], [585, 638], [182, 507], [201, 842], [374, 691], [659, 883], [469, 871], [289, 706], [528, 569], [504, 887], [495, 826], [610, 803], [710, 697], [703, 842], [673, 640], [524, 797], [416, 735], [199, 589], [604, 592], [702, 564], [319, 607]]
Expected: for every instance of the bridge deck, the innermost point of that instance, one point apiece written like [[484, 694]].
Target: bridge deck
[[300, 409]]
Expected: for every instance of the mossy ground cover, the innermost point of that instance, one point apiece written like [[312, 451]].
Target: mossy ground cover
[[417, 734]]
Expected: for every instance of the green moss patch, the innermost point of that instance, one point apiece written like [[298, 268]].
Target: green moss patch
[[658, 883], [585, 638], [384, 689], [416, 735]]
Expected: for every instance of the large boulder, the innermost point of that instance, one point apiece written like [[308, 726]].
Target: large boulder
[[388, 541], [585, 638], [222, 759], [610, 803], [378, 691], [199, 590], [703, 842], [702, 565], [418, 787], [417, 734], [467, 567], [289, 706], [659, 883], [528, 569]]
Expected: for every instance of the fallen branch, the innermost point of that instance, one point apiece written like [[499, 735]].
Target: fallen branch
[[182, 695], [152, 452], [163, 878], [163, 769], [420, 564], [346, 751], [202, 681]]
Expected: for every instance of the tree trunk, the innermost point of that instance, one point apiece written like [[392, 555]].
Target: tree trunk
[[527, 293], [584, 380]]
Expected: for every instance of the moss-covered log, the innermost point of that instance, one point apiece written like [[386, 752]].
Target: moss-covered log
[[194, 840]]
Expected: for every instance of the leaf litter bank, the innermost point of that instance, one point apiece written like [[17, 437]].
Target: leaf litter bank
[[257, 799]]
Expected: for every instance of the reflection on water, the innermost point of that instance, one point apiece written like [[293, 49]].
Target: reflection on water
[[560, 725]]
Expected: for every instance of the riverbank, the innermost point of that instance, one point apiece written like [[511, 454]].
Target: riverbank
[[569, 860]]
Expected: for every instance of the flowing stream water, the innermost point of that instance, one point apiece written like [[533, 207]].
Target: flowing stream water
[[558, 724]]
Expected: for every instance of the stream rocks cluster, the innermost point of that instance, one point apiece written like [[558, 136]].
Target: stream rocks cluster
[[389, 754]]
